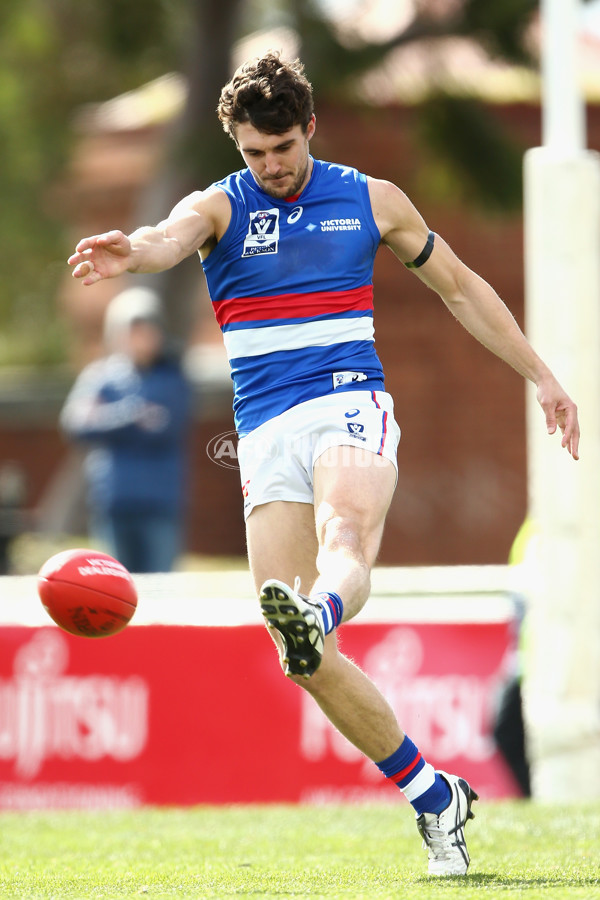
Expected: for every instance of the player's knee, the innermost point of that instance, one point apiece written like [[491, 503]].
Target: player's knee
[[339, 534]]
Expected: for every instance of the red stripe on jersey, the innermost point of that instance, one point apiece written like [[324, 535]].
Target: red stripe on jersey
[[293, 306]]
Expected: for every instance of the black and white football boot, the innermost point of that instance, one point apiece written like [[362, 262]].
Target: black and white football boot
[[444, 834], [300, 624]]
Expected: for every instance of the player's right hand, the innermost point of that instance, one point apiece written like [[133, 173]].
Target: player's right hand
[[101, 256]]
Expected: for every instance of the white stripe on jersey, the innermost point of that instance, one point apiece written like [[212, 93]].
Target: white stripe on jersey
[[301, 336]]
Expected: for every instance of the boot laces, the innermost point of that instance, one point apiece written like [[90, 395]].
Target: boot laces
[[437, 840]]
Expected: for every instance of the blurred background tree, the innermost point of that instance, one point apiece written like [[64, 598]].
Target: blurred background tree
[[56, 55]]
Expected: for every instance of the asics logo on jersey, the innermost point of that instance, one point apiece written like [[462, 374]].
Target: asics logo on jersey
[[295, 215], [351, 413]]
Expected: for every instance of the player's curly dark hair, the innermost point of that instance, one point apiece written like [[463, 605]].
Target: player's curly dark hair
[[270, 93]]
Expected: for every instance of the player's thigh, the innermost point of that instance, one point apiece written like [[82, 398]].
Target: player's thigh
[[356, 486], [282, 543]]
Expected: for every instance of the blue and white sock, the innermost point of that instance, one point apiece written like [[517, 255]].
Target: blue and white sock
[[423, 787], [331, 607]]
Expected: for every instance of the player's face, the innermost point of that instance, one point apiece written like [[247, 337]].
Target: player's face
[[280, 163]]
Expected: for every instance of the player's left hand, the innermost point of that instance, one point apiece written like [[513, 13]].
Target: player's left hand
[[560, 412]]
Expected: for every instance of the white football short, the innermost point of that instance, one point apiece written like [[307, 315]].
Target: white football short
[[276, 459]]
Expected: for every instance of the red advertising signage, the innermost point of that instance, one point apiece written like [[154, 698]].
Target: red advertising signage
[[174, 714]]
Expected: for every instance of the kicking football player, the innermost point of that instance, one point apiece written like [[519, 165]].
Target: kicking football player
[[288, 246]]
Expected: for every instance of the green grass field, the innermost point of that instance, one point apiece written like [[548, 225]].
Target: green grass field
[[517, 850]]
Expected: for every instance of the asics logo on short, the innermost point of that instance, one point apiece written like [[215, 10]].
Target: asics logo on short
[[351, 413]]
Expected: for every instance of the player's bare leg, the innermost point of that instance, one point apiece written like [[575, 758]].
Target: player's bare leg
[[351, 503], [353, 489], [349, 532], [282, 543]]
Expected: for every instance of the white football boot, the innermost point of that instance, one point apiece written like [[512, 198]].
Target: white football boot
[[300, 624], [444, 833]]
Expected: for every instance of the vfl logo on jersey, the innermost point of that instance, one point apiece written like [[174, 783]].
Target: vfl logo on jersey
[[340, 378], [263, 232]]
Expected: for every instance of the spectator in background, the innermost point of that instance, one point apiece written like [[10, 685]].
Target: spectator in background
[[132, 408]]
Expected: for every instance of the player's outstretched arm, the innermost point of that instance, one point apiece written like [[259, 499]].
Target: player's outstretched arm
[[482, 312], [474, 303], [195, 223], [560, 412], [101, 256]]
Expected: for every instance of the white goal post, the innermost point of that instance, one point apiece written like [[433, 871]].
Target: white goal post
[[562, 281]]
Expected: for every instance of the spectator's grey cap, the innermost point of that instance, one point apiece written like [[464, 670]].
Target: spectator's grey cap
[[136, 304]]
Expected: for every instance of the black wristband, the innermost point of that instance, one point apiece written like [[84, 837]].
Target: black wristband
[[424, 254]]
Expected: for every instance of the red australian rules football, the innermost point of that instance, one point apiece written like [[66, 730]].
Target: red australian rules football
[[87, 593]]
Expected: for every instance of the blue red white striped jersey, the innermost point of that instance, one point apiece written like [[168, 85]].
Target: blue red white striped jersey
[[292, 289]]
